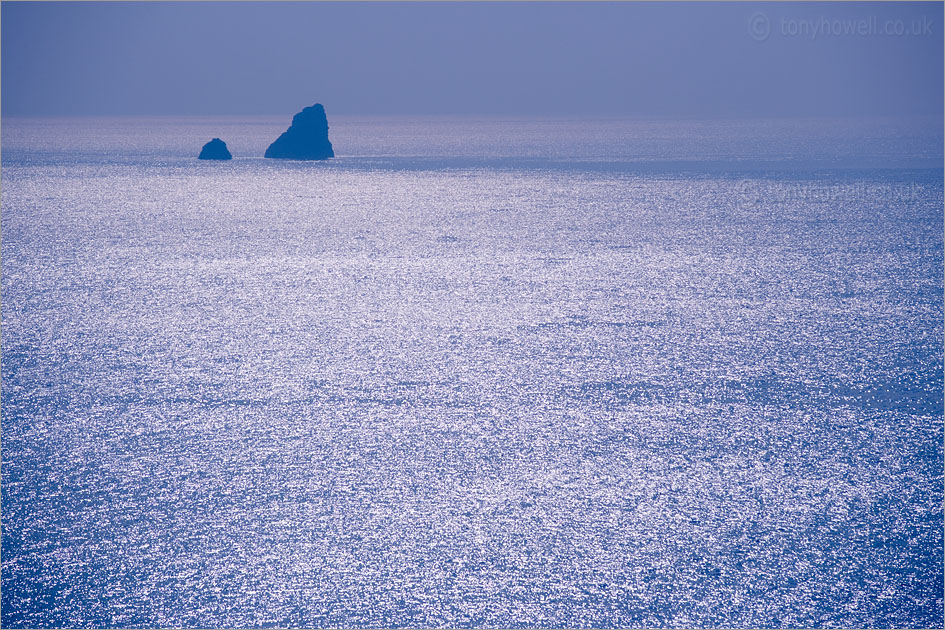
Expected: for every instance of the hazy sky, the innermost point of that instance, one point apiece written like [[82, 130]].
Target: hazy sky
[[628, 59]]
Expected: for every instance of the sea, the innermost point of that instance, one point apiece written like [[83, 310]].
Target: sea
[[472, 373]]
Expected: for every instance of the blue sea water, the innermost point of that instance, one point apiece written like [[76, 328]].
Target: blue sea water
[[473, 373]]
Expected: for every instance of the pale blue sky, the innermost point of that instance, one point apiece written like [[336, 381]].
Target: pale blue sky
[[626, 59]]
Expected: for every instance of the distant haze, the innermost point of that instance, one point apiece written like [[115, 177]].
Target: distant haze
[[616, 59]]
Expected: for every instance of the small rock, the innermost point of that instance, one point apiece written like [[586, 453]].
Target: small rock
[[215, 150]]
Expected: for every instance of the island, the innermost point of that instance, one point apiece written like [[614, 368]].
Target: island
[[215, 150], [305, 139]]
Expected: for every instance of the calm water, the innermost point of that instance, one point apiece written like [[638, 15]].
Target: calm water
[[481, 373]]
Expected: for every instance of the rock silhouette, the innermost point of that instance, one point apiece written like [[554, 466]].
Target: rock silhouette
[[305, 139], [215, 150]]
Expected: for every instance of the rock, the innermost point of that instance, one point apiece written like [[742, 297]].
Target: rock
[[215, 150], [305, 139]]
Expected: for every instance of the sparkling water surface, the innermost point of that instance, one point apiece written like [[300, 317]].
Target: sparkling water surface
[[470, 373]]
